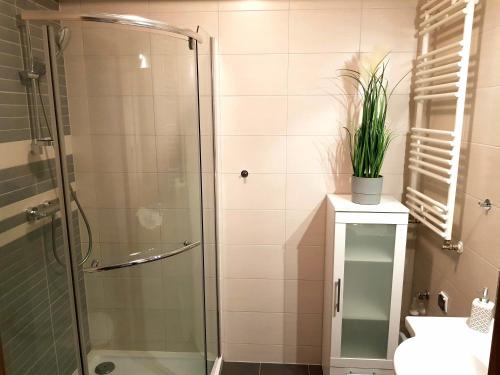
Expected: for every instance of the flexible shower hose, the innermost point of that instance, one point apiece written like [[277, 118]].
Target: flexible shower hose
[[73, 195]]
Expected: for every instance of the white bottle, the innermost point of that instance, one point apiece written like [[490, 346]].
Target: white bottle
[[481, 313]]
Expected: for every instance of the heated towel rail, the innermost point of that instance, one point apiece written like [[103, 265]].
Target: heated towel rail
[[441, 71]]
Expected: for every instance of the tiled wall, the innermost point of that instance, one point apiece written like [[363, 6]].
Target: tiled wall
[[282, 109], [280, 115], [462, 277], [36, 334]]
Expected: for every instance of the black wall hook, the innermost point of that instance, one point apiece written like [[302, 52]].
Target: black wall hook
[[244, 173]]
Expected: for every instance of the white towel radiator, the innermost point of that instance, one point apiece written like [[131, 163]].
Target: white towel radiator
[[440, 74]]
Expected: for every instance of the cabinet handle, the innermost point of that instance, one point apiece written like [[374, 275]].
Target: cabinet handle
[[337, 297]]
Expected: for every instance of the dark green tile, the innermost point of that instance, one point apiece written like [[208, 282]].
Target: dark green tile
[[15, 135], [14, 123]]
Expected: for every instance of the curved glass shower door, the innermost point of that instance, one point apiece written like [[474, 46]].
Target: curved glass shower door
[[133, 134]]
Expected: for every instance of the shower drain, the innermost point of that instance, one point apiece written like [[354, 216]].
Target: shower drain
[[104, 368]]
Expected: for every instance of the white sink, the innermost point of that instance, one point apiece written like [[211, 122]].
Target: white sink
[[442, 346]]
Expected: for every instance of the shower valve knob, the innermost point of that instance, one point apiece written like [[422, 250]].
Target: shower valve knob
[[244, 173]]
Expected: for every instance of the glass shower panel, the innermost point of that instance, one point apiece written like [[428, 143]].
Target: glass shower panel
[[133, 111], [205, 63], [37, 334], [369, 262]]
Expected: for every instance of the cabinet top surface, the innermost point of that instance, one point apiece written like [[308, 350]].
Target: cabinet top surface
[[388, 204]]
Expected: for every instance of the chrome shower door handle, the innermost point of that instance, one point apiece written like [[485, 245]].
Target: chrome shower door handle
[[337, 297]]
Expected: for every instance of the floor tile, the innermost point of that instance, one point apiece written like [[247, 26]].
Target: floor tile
[[283, 369], [240, 368], [315, 370]]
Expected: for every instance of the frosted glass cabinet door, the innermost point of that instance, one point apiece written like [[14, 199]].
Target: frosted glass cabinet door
[[368, 269]]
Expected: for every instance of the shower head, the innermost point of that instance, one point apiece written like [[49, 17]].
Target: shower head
[[63, 38]]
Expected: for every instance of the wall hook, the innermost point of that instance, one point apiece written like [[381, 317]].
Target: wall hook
[[486, 204], [244, 173]]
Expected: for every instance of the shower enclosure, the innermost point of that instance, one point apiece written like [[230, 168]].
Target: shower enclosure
[[122, 108]]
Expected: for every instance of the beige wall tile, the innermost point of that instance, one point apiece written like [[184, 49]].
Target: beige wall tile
[[137, 293], [319, 74], [253, 115], [483, 129], [253, 74], [257, 191], [483, 178], [253, 32], [114, 6], [240, 5], [389, 3], [167, 119], [304, 262], [305, 227], [315, 31], [85, 188], [255, 261], [395, 157], [399, 67], [176, 227], [303, 329], [316, 154], [75, 70], [260, 295], [478, 228], [253, 352], [124, 153], [254, 327], [388, 29], [308, 191], [173, 190], [488, 59], [126, 190], [472, 271], [319, 115], [304, 296], [255, 227], [78, 115], [165, 83], [398, 113], [257, 154], [324, 4], [393, 185], [120, 115], [182, 6], [169, 153], [129, 225], [491, 15], [117, 75]]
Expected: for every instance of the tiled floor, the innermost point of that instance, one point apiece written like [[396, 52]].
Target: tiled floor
[[241, 368]]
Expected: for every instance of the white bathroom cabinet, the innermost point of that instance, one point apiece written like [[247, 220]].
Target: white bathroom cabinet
[[364, 267]]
